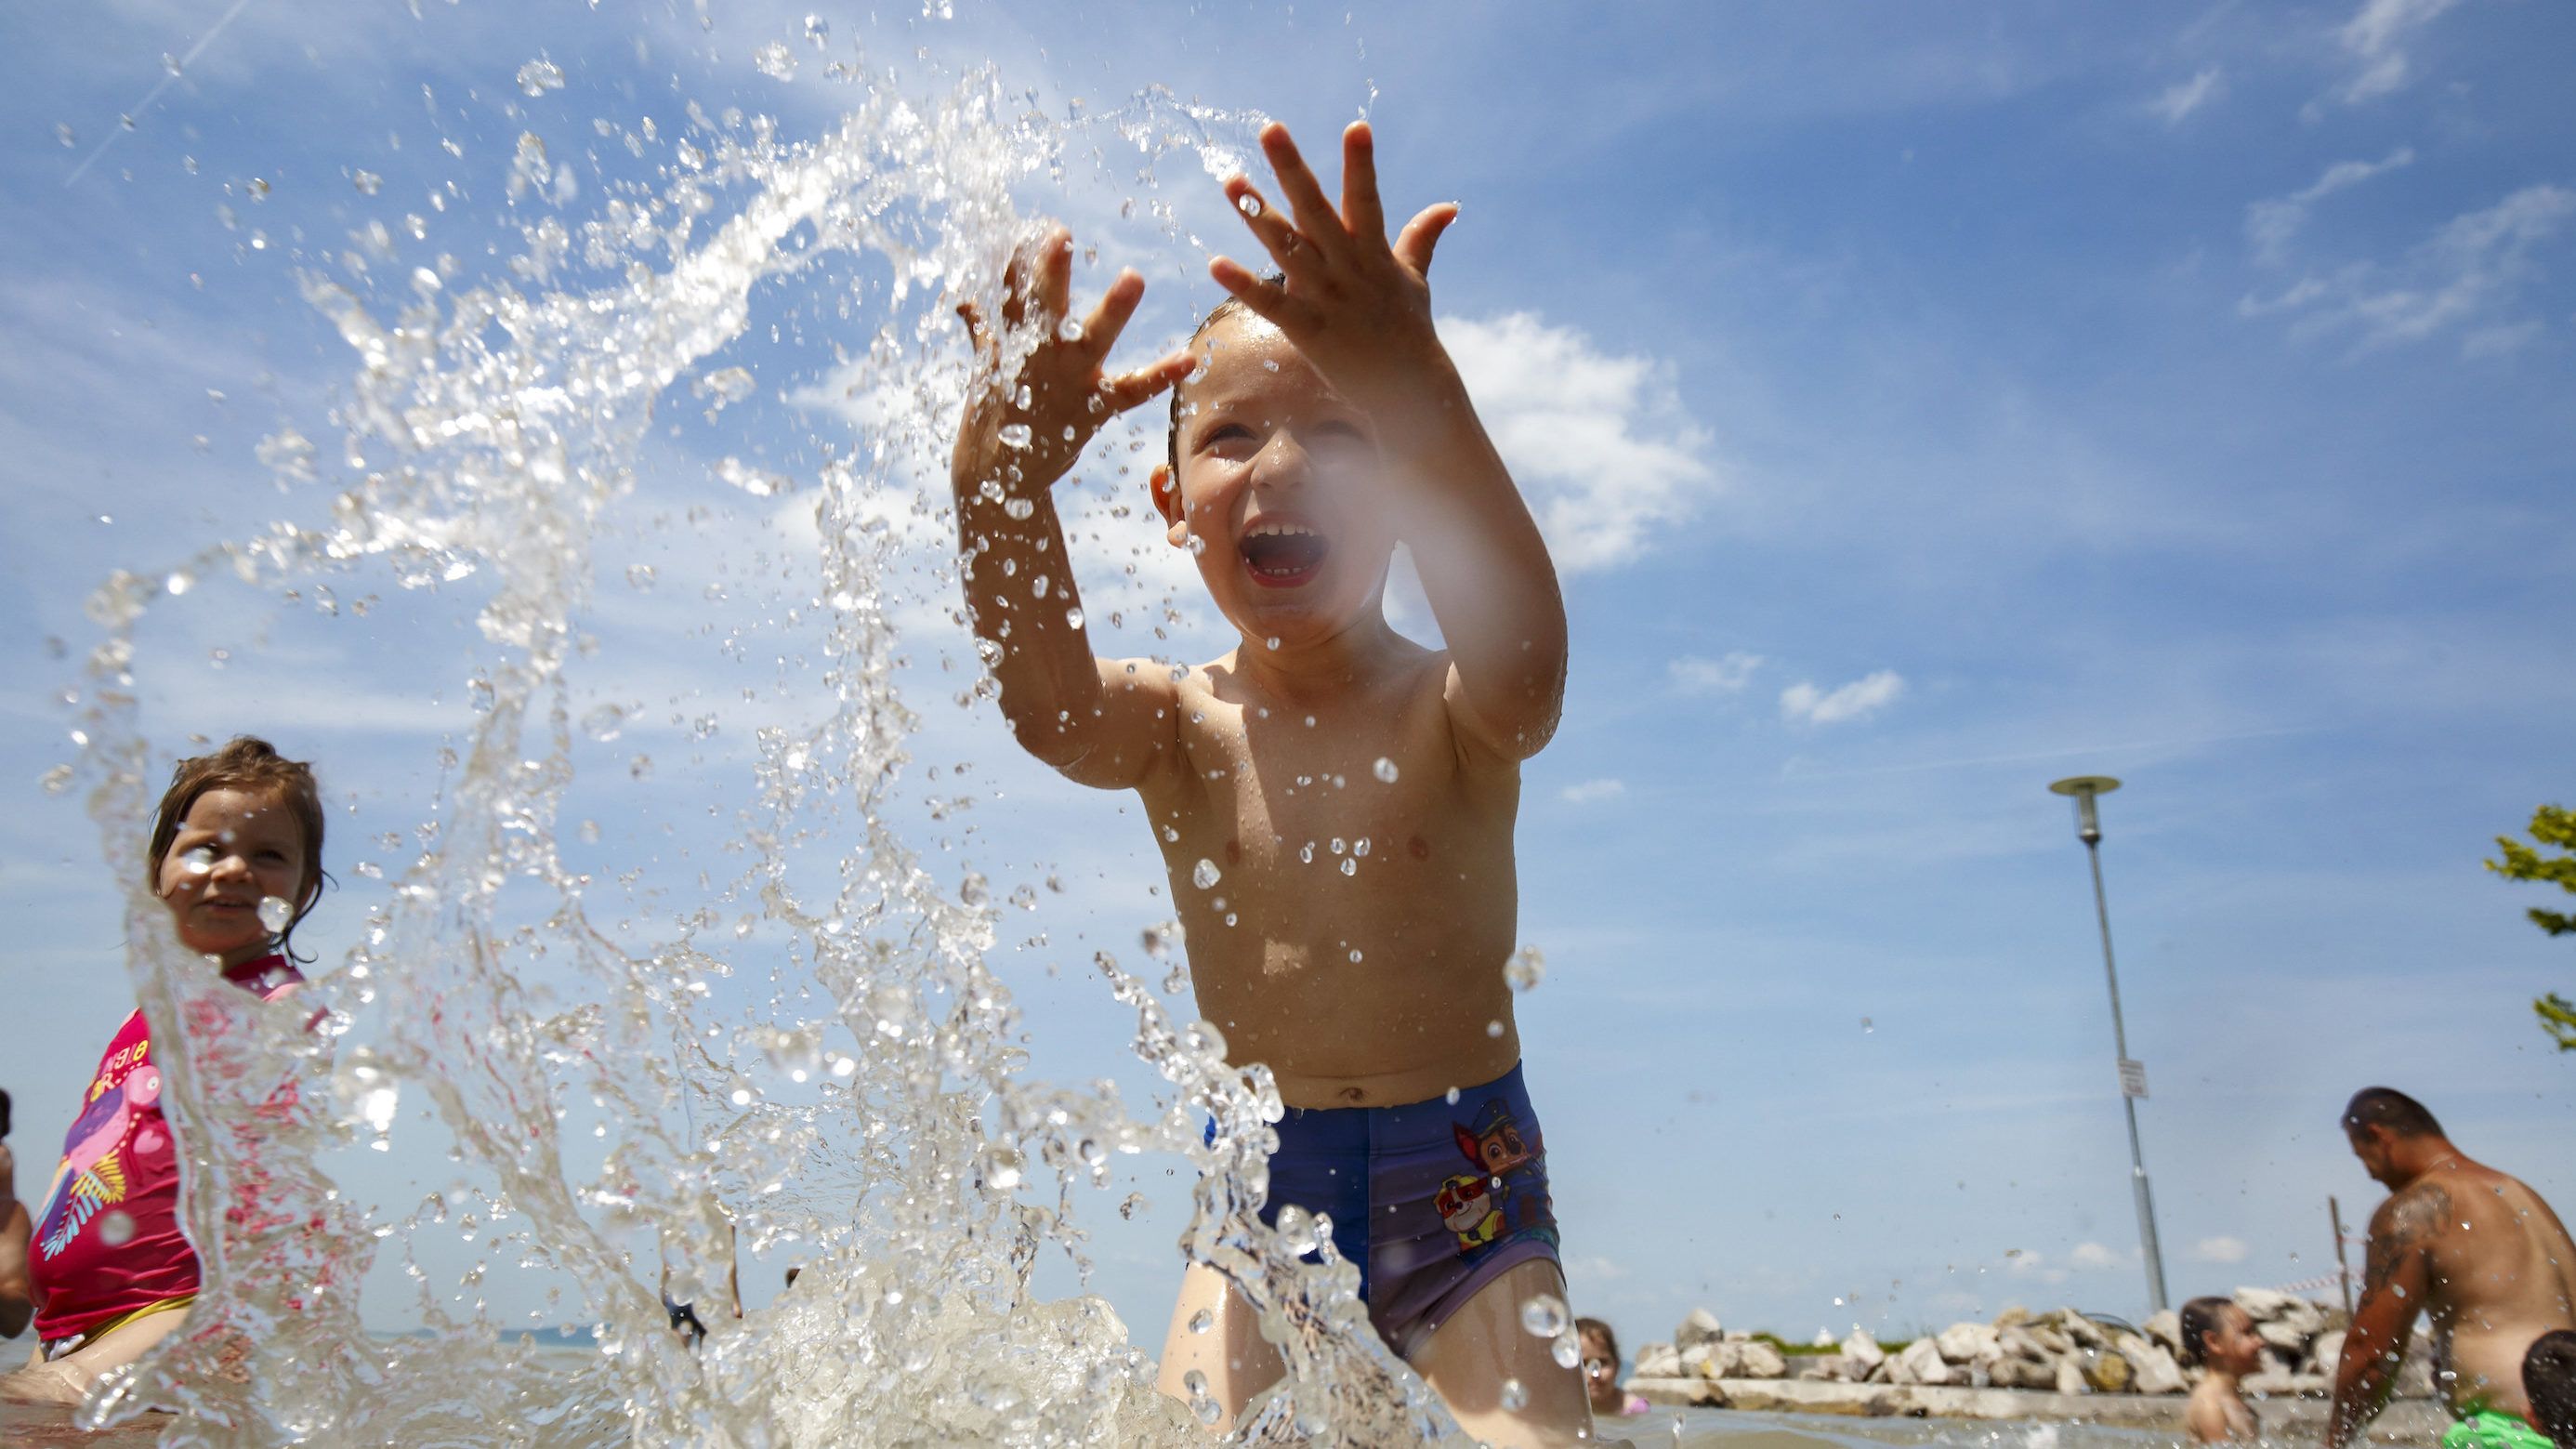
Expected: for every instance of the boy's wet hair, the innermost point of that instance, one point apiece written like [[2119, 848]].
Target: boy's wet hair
[[1609, 1340], [2549, 1381], [2388, 1107], [1230, 307], [2200, 1318], [248, 764]]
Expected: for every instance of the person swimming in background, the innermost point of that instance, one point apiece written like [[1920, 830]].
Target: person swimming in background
[[1601, 1372], [2477, 1252], [17, 1292], [1334, 802], [2549, 1381], [236, 856], [2219, 1336]]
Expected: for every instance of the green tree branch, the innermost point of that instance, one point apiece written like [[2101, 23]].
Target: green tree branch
[[2551, 825]]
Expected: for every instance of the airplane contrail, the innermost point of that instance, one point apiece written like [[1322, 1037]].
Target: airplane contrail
[[154, 94], [2035, 755]]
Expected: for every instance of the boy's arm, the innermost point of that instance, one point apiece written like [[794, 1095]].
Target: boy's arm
[[2396, 1281], [1359, 308], [1091, 718]]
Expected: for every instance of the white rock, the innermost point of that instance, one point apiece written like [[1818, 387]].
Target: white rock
[[2021, 1343], [2023, 1373], [1659, 1361], [2283, 1334], [2327, 1356], [1710, 1359], [1965, 1343], [2165, 1328], [1923, 1364], [1699, 1328], [2070, 1378], [1863, 1351], [2308, 1318], [2084, 1331], [2262, 1304], [1759, 1360], [2157, 1373]]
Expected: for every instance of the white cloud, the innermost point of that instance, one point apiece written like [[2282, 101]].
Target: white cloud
[[2219, 1250], [1592, 790], [1600, 444], [2184, 97], [2093, 1255], [1694, 675], [2469, 268], [2269, 224], [1863, 697], [1594, 1269], [2372, 39]]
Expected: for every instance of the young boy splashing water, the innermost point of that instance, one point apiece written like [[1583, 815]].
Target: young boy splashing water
[[1333, 801]]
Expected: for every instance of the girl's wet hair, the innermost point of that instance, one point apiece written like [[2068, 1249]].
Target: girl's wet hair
[[2200, 1319], [251, 765], [1609, 1340]]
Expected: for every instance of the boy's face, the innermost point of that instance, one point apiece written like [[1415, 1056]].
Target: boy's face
[[234, 849], [1278, 487]]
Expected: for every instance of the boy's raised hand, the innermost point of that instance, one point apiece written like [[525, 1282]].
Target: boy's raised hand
[[1358, 306], [1069, 396]]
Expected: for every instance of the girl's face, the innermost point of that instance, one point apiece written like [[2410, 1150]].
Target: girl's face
[[2234, 1345], [1600, 1370], [234, 850]]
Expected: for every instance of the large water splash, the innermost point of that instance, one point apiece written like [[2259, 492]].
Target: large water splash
[[490, 434]]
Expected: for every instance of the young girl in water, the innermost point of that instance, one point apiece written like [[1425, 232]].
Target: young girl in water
[[236, 856]]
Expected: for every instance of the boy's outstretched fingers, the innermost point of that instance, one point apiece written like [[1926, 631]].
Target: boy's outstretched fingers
[[1128, 389], [1414, 245], [1360, 210], [1320, 224]]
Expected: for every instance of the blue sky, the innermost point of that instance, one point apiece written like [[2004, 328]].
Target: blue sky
[[1924, 402]]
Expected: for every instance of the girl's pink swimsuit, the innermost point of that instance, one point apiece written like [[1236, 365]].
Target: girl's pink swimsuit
[[107, 1243]]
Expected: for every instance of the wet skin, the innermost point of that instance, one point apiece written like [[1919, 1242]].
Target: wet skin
[[2217, 1412], [1321, 427], [2476, 1251]]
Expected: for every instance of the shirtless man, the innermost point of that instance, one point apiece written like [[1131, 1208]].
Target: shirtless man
[[1333, 801], [2464, 1243]]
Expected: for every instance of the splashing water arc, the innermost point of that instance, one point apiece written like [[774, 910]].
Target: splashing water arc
[[874, 1110]]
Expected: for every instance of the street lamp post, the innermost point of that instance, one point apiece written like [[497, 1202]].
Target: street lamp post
[[2133, 1074]]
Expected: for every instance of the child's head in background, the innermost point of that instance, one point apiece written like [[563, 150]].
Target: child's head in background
[[238, 829], [2216, 1333]]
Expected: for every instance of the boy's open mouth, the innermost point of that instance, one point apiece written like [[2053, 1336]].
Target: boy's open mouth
[[1282, 554]]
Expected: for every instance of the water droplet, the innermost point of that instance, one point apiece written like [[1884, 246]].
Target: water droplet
[[1384, 769], [1020, 509], [1350, 866], [540, 76], [1205, 875], [1248, 204], [1069, 329], [179, 582], [1000, 1166], [1453, 1096], [1867, 1026], [818, 31], [368, 183], [274, 913], [116, 1229], [1567, 1350], [1015, 435], [1494, 1029], [639, 767], [1271, 643], [1525, 968], [1514, 1398], [56, 780], [640, 576], [604, 723], [1202, 1321], [63, 132], [1296, 1230], [775, 61], [1543, 1315]]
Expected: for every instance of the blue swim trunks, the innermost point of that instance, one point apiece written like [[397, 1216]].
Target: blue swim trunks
[[1433, 1200]]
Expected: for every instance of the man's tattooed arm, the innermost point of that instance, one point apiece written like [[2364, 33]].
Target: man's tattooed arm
[[2396, 1284]]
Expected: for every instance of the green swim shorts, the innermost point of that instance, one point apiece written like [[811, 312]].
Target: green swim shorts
[[2488, 1429]]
